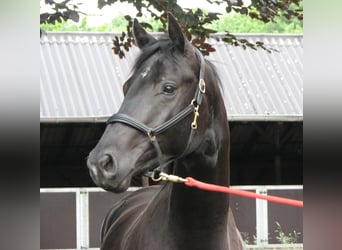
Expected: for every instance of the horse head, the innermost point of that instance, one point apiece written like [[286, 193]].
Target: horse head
[[158, 120]]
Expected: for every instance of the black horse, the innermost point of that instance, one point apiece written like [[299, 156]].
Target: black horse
[[172, 115]]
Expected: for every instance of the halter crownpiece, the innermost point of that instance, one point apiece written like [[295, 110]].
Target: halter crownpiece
[[151, 133]]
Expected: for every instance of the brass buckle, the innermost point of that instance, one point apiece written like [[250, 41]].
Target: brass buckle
[[196, 115]]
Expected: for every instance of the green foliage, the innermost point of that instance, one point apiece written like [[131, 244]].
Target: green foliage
[[243, 24], [196, 23], [63, 11], [228, 22], [247, 240], [116, 25], [235, 23], [283, 238]]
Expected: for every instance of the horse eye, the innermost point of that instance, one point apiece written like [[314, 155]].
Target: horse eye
[[169, 88]]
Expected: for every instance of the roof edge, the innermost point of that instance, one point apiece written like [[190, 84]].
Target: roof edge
[[219, 34]]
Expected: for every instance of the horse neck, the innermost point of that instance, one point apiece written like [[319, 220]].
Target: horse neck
[[187, 200], [197, 212]]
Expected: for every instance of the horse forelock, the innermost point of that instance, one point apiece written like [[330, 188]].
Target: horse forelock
[[160, 45]]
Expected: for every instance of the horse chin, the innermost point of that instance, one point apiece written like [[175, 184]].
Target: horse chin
[[121, 182], [118, 188]]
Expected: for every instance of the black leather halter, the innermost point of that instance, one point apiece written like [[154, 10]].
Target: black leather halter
[[151, 133]]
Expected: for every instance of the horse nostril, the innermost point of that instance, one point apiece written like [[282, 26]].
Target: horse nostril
[[106, 163]]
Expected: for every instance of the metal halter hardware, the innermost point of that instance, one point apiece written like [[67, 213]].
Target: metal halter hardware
[[151, 133]]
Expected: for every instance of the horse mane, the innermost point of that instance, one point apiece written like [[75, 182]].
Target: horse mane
[[218, 78]]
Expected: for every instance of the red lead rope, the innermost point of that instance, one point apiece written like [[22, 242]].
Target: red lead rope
[[191, 182]]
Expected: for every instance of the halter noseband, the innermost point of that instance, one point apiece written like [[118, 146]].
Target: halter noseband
[[151, 133]]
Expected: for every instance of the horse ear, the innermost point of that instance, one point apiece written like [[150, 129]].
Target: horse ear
[[177, 37], [141, 37]]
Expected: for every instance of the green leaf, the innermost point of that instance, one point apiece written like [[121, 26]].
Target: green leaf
[[73, 15], [244, 11]]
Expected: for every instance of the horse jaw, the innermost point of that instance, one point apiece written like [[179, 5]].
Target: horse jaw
[[113, 162]]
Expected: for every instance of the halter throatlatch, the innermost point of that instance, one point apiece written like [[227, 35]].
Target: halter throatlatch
[[152, 133]]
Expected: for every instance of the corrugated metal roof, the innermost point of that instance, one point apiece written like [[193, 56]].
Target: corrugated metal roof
[[81, 79]]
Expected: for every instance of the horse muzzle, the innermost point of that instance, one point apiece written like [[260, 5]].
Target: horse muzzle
[[104, 172]]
